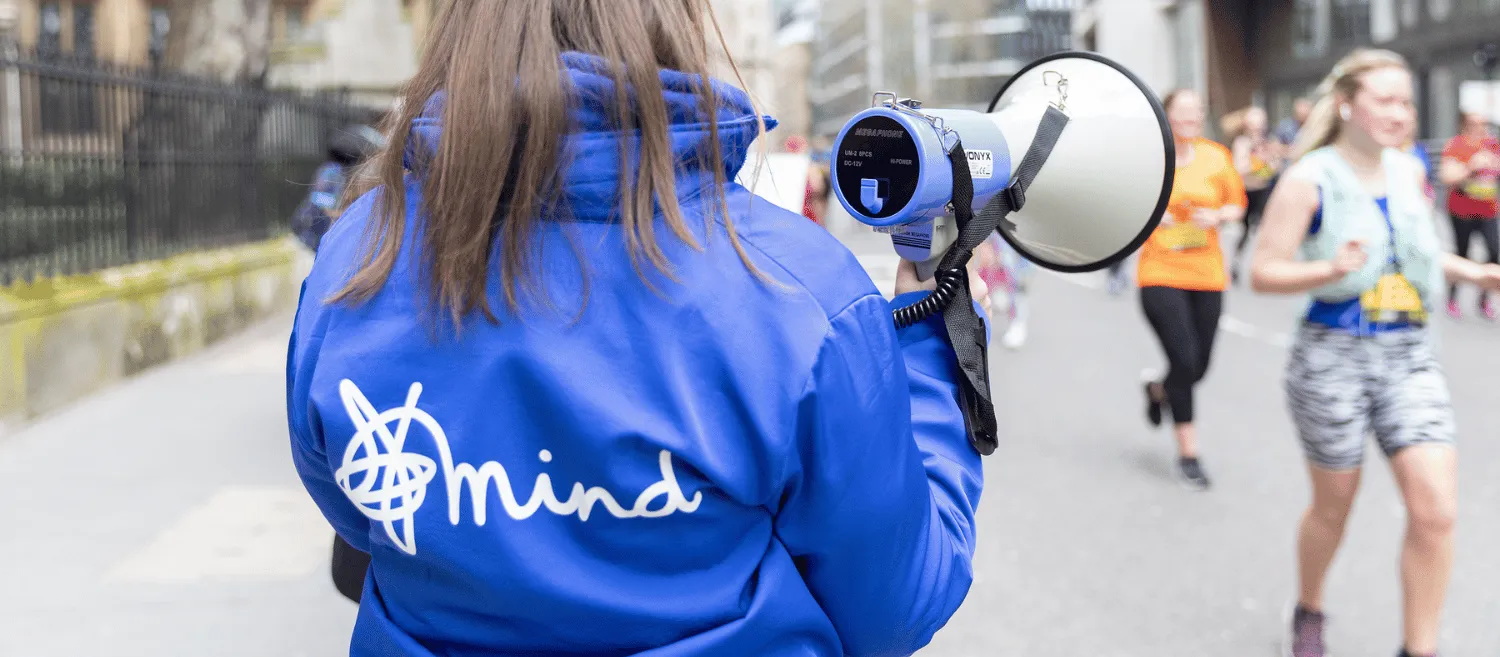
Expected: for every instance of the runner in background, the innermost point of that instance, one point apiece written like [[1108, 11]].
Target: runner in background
[[815, 203], [1349, 224], [1258, 159], [1286, 131], [1007, 273], [348, 147], [1181, 274], [1471, 168], [815, 193]]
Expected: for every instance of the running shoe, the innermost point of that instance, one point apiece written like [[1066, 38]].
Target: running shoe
[[1404, 653], [1015, 336], [1193, 476], [1453, 310], [1487, 309], [1153, 406], [1306, 637]]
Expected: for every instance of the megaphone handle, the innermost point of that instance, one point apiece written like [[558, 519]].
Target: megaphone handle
[[966, 331], [926, 270]]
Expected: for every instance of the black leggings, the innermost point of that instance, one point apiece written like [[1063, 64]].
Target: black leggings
[[1254, 208], [1463, 235], [1186, 322]]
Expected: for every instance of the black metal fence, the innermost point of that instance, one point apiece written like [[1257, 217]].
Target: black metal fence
[[102, 166]]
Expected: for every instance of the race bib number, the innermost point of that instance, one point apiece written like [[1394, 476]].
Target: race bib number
[[1182, 237], [1483, 189], [1393, 299]]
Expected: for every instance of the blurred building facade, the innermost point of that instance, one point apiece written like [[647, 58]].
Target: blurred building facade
[[121, 31], [367, 48], [1294, 43], [749, 28], [951, 53], [796, 27], [1270, 52], [1162, 42]]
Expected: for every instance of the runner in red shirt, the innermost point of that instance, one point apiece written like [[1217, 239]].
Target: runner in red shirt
[[1471, 168]]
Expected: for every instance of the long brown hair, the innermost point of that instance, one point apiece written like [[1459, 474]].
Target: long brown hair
[[498, 168], [1324, 124]]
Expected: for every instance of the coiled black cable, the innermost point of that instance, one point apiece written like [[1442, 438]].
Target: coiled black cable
[[949, 281]]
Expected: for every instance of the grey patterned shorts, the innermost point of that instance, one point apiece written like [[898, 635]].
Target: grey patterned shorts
[[1342, 386]]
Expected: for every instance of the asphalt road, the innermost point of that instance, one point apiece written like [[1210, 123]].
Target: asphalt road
[[162, 517]]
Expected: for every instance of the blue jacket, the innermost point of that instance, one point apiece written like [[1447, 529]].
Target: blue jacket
[[721, 468]]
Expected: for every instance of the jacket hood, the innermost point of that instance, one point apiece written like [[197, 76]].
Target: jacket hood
[[591, 166]]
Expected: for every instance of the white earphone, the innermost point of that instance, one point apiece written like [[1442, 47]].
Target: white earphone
[[1344, 112]]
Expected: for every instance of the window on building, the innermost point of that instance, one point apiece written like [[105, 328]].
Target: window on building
[[1442, 102], [1477, 7], [1384, 20], [68, 104], [83, 30], [1410, 10], [161, 25], [1351, 22], [50, 29], [1307, 37], [67, 27]]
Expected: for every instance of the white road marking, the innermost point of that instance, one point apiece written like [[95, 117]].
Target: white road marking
[[1235, 326], [241, 533], [1092, 281]]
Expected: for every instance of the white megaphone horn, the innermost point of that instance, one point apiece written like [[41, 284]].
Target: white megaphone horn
[[1097, 195]]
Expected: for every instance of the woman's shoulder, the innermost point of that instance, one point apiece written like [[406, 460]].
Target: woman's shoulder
[[1310, 170], [798, 251], [1406, 160]]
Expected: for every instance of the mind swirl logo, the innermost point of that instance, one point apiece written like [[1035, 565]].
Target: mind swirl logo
[[387, 484]]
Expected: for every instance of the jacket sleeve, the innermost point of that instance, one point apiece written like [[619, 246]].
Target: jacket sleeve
[[881, 489], [309, 454]]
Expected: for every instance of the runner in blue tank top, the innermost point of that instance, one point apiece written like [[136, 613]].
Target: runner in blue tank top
[[1355, 210]]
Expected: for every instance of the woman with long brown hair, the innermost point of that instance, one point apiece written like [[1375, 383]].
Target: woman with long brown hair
[[576, 393], [1350, 225]]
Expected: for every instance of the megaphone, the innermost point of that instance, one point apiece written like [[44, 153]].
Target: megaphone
[[1077, 198]]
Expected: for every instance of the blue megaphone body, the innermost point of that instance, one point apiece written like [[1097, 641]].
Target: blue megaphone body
[[1074, 153], [891, 169]]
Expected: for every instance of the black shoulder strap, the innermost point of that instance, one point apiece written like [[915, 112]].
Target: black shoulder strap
[[965, 328]]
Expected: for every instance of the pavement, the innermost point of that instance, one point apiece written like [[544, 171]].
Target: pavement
[[163, 518]]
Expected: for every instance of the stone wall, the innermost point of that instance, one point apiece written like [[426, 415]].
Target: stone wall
[[63, 339]]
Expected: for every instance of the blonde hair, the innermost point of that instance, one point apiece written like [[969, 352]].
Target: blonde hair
[[1324, 124]]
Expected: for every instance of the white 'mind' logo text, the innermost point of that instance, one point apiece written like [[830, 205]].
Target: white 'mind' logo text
[[388, 485]]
